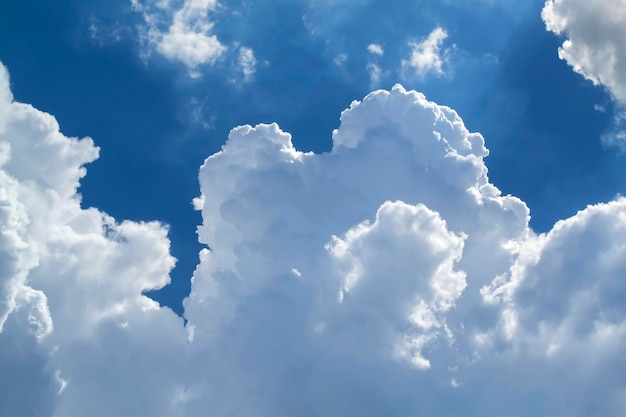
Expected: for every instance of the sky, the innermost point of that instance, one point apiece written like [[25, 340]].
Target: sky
[[312, 207]]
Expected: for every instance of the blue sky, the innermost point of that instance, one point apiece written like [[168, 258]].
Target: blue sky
[[104, 70]]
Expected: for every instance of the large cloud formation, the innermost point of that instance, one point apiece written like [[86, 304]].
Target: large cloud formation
[[386, 277]]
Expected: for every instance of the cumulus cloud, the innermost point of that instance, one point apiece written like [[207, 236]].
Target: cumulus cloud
[[181, 32], [374, 260], [557, 297], [409, 269], [595, 47], [71, 280], [385, 277], [563, 306], [427, 55], [595, 44]]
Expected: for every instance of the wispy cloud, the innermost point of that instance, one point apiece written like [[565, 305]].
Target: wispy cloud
[[247, 62]]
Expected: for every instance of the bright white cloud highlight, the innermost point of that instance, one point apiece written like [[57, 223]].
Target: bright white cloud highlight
[[181, 32], [386, 277], [403, 262], [427, 56], [595, 44]]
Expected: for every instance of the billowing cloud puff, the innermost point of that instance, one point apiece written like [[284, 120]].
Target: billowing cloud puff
[[183, 32], [73, 317], [385, 277], [427, 55], [564, 311], [595, 47], [596, 39]]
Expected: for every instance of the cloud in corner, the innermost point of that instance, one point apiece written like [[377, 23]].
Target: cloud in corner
[[595, 44], [595, 47]]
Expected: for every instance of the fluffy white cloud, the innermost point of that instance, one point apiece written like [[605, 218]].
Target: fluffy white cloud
[[564, 311], [427, 55], [596, 39], [371, 297], [181, 32], [401, 269], [559, 295], [386, 277], [595, 47], [74, 321], [414, 288]]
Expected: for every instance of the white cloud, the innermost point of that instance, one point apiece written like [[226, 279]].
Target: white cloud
[[247, 62], [181, 32], [415, 297], [372, 67], [375, 49], [427, 55], [595, 47], [69, 278], [596, 39], [375, 73], [386, 277], [567, 284], [401, 268], [563, 309]]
